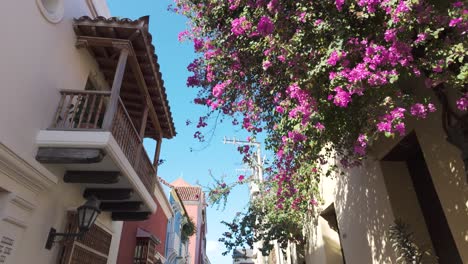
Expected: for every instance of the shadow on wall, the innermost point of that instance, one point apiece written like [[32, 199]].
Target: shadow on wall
[[364, 215], [448, 175], [365, 211]]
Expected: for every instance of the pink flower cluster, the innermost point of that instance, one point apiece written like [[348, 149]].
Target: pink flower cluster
[[305, 104], [462, 103], [361, 145], [265, 26], [219, 88], [240, 26], [419, 110]]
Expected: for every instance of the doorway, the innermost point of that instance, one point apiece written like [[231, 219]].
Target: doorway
[[414, 199]]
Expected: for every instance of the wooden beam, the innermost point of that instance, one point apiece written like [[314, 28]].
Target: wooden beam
[[130, 216], [108, 193], [128, 206], [92, 177], [144, 90], [86, 41], [143, 122], [157, 152], [134, 35], [144, 119], [115, 90], [51, 155]]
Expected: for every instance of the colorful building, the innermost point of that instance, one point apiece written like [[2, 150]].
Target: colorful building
[[144, 242], [177, 244], [81, 90], [193, 200]]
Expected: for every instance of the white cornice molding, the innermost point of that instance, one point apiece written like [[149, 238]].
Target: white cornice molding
[[162, 200], [18, 212], [23, 204], [23, 173]]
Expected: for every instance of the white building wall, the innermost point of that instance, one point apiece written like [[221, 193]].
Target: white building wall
[[37, 59]]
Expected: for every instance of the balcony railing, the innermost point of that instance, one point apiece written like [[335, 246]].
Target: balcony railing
[[85, 111]]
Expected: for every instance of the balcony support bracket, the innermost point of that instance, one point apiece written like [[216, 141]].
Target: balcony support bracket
[[55, 155]]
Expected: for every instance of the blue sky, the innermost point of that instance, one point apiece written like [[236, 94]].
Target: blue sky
[[180, 161]]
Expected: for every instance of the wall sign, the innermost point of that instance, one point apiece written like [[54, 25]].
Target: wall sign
[[6, 246]]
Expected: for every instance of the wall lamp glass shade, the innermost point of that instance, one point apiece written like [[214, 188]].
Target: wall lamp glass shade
[[87, 215]]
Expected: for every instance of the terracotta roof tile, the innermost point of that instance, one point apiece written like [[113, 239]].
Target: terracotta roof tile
[[189, 193]]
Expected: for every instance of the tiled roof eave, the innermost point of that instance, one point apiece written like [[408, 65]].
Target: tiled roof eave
[[140, 24]]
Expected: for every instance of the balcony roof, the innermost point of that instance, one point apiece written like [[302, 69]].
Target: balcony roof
[[109, 32]]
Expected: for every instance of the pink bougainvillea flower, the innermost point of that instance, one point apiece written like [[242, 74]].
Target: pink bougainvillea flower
[[384, 126], [455, 21], [241, 178], [361, 145], [265, 26], [342, 97], [319, 126], [390, 35], [400, 128], [219, 88], [266, 64], [233, 4], [272, 6], [421, 37], [339, 4], [198, 44], [279, 109], [458, 4], [240, 26], [431, 107], [418, 110], [462, 103], [334, 58], [182, 35]]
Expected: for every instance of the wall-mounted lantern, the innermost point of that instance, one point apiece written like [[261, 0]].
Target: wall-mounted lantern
[[87, 214]]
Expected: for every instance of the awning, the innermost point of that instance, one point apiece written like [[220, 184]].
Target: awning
[[141, 233]]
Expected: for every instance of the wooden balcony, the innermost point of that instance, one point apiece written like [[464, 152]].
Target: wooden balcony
[[97, 166], [86, 110], [96, 137]]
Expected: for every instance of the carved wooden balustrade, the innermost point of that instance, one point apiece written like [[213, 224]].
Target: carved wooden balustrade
[[85, 111]]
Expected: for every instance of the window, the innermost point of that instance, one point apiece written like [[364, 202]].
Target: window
[[145, 251], [52, 10], [93, 247]]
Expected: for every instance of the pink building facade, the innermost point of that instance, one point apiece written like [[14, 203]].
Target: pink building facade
[[193, 199]]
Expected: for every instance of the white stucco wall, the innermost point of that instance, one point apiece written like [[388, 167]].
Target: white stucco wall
[[362, 196], [37, 59]]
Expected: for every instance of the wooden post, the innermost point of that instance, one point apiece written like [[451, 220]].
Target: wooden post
[[144, 120], [156, 154], [115, 90]]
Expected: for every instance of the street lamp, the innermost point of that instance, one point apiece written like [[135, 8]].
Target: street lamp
[[87, 214]]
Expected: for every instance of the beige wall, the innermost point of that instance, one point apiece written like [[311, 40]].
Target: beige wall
[[368, 198], [49, 210], [37, 59]]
